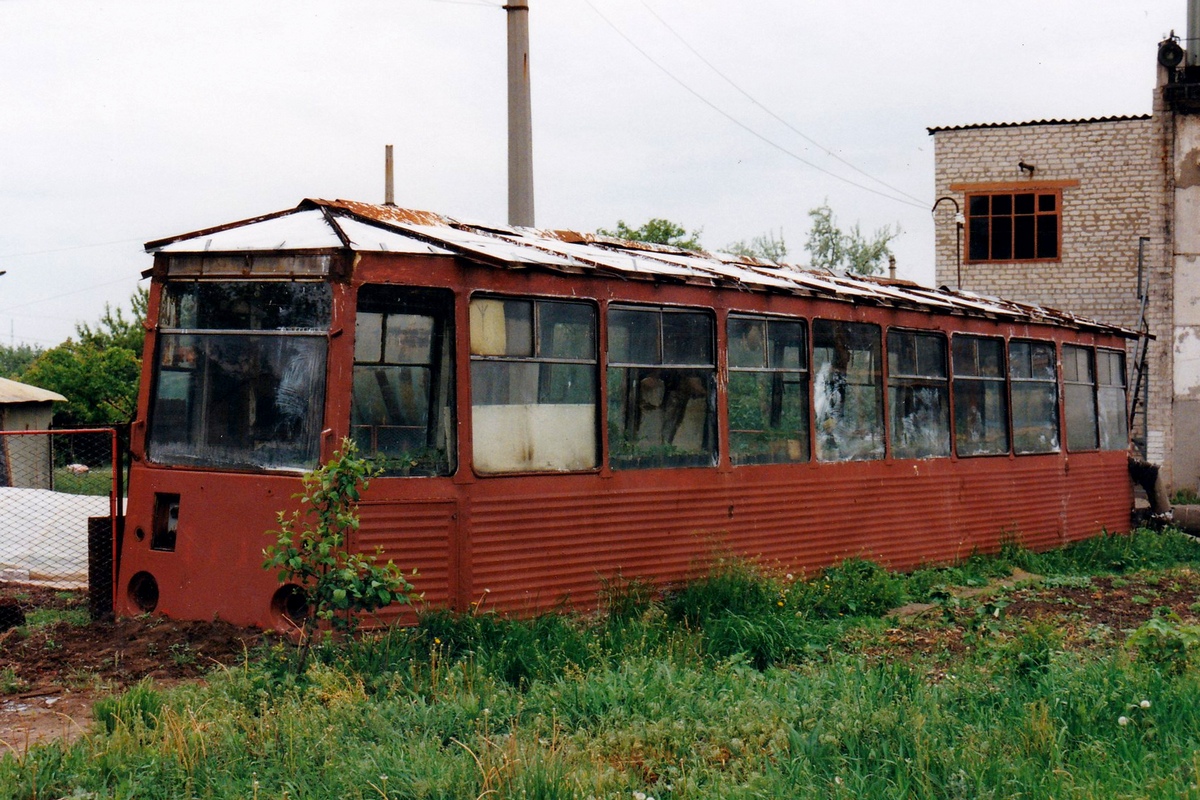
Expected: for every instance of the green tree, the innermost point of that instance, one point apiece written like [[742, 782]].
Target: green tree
[[656, 231], [831, 248], [100, 384], [99, 373], [766, 246], [114, 330], [15, 360]]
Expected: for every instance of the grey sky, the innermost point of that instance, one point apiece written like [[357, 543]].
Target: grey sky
[[128, 121]]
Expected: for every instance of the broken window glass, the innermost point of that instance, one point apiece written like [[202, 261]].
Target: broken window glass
[[980, 402], [402, 401], [1110, 379], [661, 388], [918, 395], [847, 390], [768, 390], [239, 374], [1079, 397], [1034, 379], [533, 385]]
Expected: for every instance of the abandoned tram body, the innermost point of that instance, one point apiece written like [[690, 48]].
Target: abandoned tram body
[[552, 409]]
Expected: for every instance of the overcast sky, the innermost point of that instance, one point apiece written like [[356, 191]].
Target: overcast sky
[[122, 122]]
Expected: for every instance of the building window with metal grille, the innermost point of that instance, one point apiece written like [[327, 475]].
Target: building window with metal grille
[[402, 402], [1034, 387], [918, 394], [1014, 226], [533, 385], [768, 390], [980, 396], [662, 388]]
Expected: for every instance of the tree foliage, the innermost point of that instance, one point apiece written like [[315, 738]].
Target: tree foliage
[[656, 231], [99, 373], [831, 248], [16, 359], [766, 246], [310, 550]]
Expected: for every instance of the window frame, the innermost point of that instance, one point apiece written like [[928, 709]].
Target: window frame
[[1001, 379], [536, 303], [1012, 216], [705, 459], [875, 450], [805, 382], [1014, 380], [1094, 446], [896, 380], [438, 304]]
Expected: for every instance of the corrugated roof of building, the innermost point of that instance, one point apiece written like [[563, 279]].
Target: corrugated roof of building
[[17, 392], [325, 225], [1088, 121]]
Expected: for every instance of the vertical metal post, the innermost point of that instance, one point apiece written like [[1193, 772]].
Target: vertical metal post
[[1190, 45], [520, 117], [389, 183]]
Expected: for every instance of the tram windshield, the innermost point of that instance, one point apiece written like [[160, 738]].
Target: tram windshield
[[239, 374]]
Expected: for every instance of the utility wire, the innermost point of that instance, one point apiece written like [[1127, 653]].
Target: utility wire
[[65, 249], [7, 309], [775, 116], [744, 126]]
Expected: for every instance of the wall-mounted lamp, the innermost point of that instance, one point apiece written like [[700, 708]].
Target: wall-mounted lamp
[[958, 229], [1021, 165]]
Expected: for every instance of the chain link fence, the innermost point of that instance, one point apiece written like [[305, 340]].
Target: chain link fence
[[60, 507]]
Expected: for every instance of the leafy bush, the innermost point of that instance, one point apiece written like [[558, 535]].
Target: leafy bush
[[1165, 641], [337, 584], [855, 587]]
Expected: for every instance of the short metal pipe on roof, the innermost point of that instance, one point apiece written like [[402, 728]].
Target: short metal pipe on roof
[[389, 177]]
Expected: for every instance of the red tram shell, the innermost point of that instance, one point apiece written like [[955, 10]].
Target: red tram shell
[[530, 541]]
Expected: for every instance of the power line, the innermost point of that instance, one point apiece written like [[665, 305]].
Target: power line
[[7, 309], [744, 126], [775, 116], [65, 249]]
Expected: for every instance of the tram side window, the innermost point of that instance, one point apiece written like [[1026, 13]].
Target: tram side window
[[918, 395], [980, 404], [1079, 397], [533, 385], [239, 375], [401, 410], [847, 390], [1110, 379], [768, 390], [662, 388], [1034, 377]]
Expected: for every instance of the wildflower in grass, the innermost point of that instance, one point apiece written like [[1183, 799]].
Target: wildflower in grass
[[1122, 721], [1144, 704]]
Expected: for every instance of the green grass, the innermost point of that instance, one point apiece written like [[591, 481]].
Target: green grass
[[744, 684], [97, 481]]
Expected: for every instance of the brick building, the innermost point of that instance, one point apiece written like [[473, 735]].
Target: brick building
[[1090, 216]]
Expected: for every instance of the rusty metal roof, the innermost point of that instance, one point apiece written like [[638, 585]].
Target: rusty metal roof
[[1088, 121], [17, 392], [365, 227]]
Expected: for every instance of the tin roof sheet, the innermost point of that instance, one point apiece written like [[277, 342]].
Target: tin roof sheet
[[1087, 121], [17, 392], [324, 224]]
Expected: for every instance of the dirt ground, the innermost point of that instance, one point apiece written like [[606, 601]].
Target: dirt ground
[[50, 677]]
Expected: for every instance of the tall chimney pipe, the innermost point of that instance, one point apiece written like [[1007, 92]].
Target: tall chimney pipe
[[1191, 45], [520, 117]]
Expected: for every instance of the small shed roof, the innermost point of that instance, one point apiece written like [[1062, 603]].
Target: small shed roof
[[17, 392], [323, 226]]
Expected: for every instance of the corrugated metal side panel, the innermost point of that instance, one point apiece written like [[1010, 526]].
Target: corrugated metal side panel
[[412, 534], [532, 554]]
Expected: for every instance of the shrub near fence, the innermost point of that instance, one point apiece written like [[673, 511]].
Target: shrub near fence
[[59, 508]]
